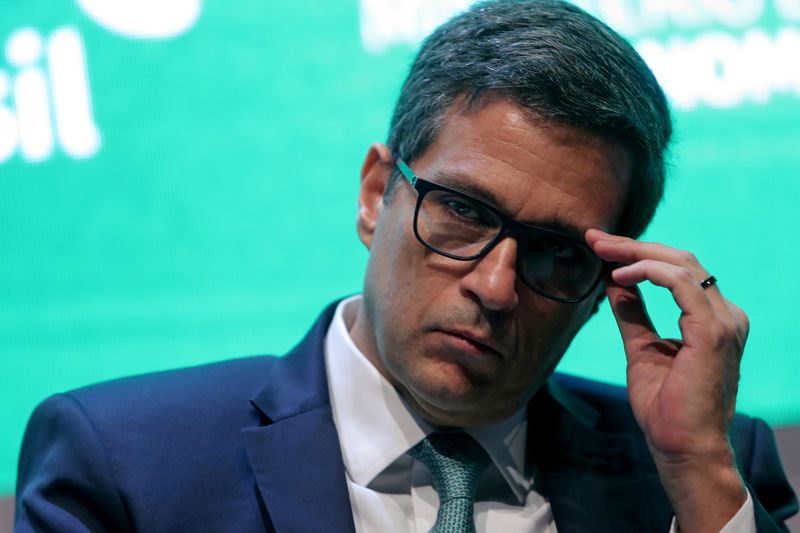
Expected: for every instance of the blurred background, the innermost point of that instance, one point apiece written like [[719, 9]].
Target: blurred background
[[178, 179]]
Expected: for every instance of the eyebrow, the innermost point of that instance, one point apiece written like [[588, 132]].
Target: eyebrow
[[459, 182]]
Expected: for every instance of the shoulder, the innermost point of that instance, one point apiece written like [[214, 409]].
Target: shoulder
[[98, 449], [181, 388], [613, 413], [174, 405], [751, 438], [219, 386], [196, 406], [100, 446]]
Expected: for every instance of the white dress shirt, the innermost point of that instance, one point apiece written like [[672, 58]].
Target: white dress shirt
[[389, 490]]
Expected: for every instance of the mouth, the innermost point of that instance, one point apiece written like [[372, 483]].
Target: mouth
[[471, 342]]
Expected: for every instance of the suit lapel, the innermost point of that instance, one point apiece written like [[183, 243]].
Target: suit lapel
[[295, 456], [298, 467], [595, 481]]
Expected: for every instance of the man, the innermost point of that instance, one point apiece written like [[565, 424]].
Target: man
[[528, 137]]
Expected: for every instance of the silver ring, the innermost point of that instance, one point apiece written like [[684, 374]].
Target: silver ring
[[708, 282]]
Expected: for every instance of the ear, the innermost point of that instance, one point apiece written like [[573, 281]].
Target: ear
[[375, 174]]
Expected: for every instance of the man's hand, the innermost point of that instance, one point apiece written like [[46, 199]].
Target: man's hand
[[682, 391]]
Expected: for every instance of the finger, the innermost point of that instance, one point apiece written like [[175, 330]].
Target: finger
[[715, 339], [615, 248], [632, 318], [698, 313], [741, 320], [624, 250], [619, 249]]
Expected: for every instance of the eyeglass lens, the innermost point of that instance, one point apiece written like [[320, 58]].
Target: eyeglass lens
[[460, 227]]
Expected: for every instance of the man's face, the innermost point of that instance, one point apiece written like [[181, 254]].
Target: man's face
[[467, 343]]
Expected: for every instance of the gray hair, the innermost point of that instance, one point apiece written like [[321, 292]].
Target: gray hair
[[559, 62]]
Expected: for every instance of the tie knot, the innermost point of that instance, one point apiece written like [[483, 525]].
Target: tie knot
[[456, 462]]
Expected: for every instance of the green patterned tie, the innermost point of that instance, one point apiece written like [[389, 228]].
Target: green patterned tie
[[456, 463]]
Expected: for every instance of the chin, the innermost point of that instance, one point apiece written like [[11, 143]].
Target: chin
[[446, 383], [455, 402]]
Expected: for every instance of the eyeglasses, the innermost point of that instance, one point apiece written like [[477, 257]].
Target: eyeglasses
[[458, 226]]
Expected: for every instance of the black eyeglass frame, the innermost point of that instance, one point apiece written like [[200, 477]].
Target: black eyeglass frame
[[507, 225]]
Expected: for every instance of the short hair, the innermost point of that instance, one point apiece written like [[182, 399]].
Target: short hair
[[559, 62]]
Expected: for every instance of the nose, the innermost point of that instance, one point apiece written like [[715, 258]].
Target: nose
[[493, 277]]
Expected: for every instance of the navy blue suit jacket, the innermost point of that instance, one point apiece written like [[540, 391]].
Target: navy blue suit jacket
[[250, 445]]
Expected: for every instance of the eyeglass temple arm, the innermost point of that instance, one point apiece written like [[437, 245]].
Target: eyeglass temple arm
[[407, 172]]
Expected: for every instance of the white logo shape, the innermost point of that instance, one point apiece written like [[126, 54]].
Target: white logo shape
[[143, 19], [45, 97]]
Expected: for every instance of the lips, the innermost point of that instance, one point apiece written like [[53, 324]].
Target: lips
[[478, 343]]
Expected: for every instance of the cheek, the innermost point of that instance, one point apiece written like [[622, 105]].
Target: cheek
[[388, 262], [550, 333], [392, 281], [408, 277], [568, 321]]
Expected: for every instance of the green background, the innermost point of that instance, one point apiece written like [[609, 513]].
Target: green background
[[218, 216]]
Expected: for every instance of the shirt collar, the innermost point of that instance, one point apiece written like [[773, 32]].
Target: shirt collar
[[376, 426]]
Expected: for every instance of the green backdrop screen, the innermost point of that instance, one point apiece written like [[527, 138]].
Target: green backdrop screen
[[178, 179]]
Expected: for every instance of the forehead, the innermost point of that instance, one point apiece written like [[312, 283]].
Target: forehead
[[540, 174]]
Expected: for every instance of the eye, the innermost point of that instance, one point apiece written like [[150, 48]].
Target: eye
[[465, 211], [461, 208], [552, 247], [560, 249]]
